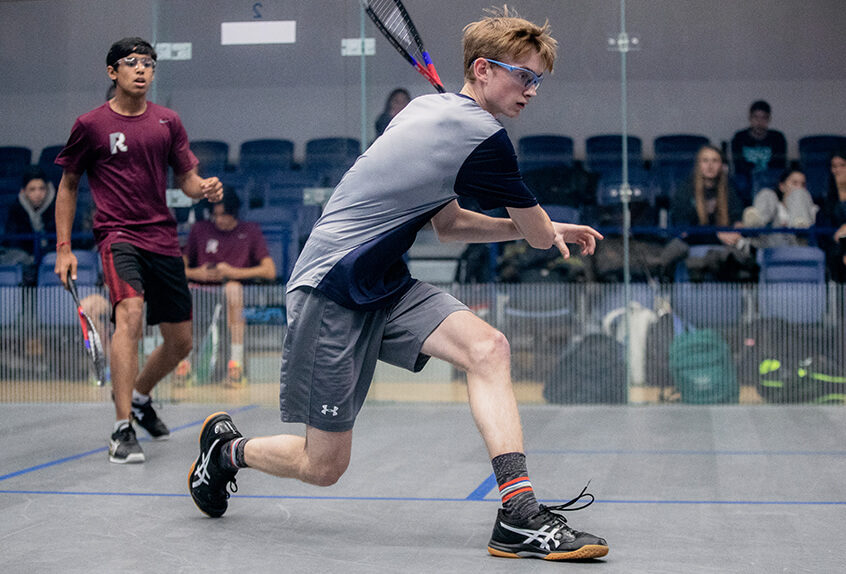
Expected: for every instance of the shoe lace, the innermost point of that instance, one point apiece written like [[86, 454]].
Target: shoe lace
[[566, 507]]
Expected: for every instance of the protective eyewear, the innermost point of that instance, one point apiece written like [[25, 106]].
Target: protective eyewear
[[525, 77], [133, 62]]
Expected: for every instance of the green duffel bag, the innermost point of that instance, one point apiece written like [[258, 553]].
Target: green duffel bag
[[702, 368]]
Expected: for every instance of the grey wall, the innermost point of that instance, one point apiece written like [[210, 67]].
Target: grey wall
[[700, 65]]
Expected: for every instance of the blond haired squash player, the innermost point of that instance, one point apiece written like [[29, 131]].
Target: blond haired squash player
[[351, 299]]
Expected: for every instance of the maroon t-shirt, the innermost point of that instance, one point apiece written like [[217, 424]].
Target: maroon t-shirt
[[241, 247], [126, 158]]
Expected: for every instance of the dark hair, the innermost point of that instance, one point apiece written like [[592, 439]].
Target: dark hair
[[782, 177], [33, 172], [231, 202], [395, 92], [127, 46], [760, 105], [833, 197]]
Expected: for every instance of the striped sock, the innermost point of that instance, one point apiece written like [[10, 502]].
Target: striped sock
[[232, 454], [515, 488]]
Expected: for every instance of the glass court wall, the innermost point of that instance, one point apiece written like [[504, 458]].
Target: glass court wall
[[278, 100]]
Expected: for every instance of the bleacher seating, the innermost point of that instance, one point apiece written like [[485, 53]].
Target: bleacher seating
[[814, 156], [13, 162], [327, 159], [792, 283], [213, 156], [537, 151], [11, 294], [266, 155], [604, 155], [673, 161], [55, 306], [705, 304], [46, 161]]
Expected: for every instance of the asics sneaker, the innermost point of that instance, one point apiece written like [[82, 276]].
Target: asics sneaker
[[208, 480], [124, 447], [144, 415], [546, 535]]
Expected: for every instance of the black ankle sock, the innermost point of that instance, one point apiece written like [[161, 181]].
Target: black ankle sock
[[518, 498], [233, 459]]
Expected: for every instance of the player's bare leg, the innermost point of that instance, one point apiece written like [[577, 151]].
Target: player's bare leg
[[177, 340]]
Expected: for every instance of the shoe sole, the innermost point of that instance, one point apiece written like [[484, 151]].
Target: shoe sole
[[585, 552], [133, 458], [194, 464]]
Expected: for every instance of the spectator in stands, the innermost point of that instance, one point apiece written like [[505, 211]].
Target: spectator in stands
[[789, 205], [834, 215], [397, 100], [231, 252], [33, 215], [757, 148], [708, 199]]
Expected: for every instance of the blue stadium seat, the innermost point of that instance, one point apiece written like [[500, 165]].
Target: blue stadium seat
[[544, 151], [55, 305], [327, 159], [604, 155], [46, 161], [562, 213], [213, 156], [14, 160], [11, 293], [674, 156], [814, 157], [791, 283], [263, 155], [705, 304]]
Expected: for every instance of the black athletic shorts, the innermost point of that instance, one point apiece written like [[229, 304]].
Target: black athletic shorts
[[129, 271]]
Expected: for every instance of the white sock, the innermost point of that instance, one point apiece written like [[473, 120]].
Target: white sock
[[236, 353], [138, 398], [120, 424]]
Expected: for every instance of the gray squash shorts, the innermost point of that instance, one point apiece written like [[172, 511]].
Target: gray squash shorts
[[330, 352]]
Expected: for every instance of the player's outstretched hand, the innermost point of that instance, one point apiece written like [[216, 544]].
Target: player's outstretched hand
[[212, 189], [582, 235]]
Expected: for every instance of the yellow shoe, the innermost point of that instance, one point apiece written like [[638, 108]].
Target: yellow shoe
[[235, 376]]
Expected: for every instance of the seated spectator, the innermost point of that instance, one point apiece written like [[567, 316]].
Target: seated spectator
[[229, 252], [789, 205], [757, 148], [834, 215], [33, 214], [397, 100], [708, 199]]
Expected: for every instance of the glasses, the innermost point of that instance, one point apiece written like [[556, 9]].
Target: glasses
[[133, 62], [525, 77]]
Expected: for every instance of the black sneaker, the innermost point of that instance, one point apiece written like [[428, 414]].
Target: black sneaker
[[546, 535], [124, 447], [207, 480], [144, 415]]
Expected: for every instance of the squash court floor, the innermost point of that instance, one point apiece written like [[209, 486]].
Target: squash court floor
[[680, 489]]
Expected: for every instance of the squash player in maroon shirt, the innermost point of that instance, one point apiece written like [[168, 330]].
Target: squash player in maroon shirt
[[125, 146]]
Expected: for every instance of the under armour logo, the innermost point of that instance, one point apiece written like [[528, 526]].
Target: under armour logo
[[326, 410], [117, 142], [212, 245]]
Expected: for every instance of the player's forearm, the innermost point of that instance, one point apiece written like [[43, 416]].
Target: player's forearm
[[66, 207], [457, 224]]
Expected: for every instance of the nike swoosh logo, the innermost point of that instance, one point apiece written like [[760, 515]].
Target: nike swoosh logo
[[163, 121]]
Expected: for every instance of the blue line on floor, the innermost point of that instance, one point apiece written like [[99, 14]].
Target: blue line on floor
[[104, 448], [421, 499], [483, 489]]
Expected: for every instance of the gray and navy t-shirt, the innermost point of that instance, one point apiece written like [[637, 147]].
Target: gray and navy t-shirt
[[438, 148]]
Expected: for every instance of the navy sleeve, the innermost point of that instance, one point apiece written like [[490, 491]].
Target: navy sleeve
[[490, 175]]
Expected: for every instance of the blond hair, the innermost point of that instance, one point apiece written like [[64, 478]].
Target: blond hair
[[722, 212], [504, 35]]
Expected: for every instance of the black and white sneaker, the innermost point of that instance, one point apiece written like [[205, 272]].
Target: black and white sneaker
[[124, 447], [546, 535], [144, 415], [207, 480]]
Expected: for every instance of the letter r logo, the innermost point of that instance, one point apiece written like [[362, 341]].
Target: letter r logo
[[117, 142]]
